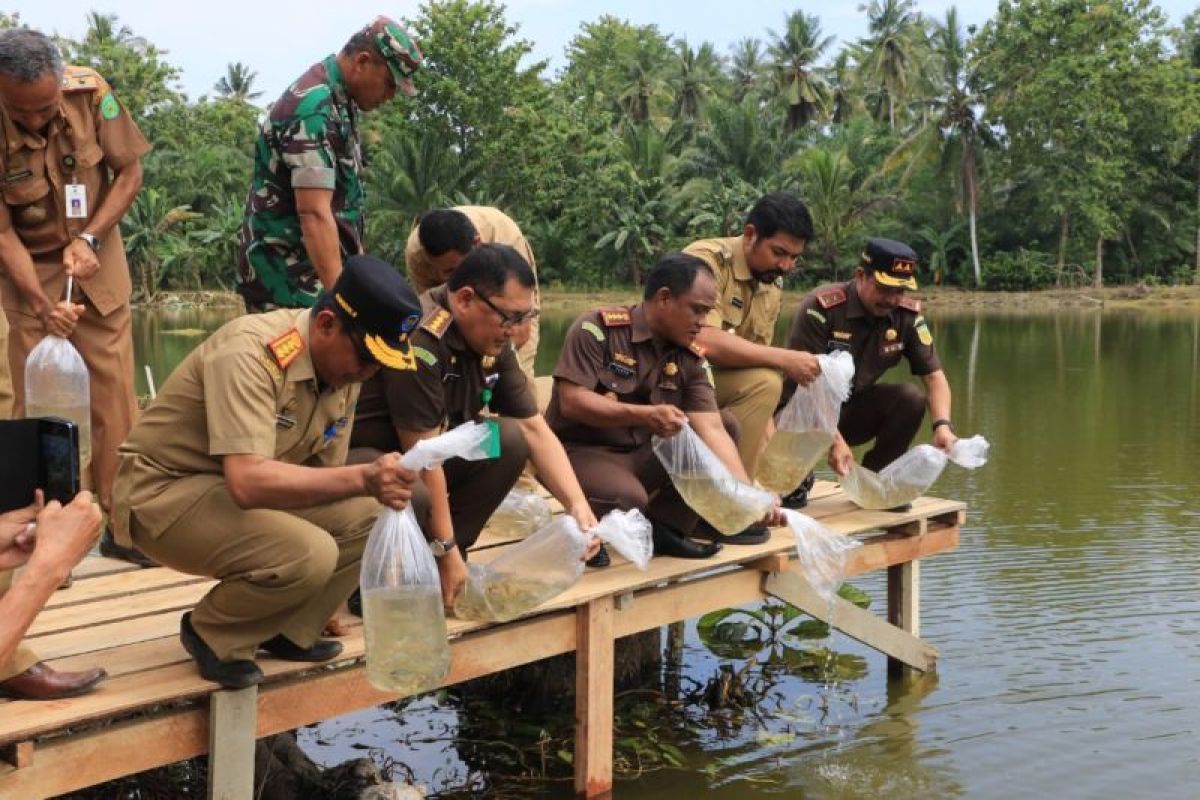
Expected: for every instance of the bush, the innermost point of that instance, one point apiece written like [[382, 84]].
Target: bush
[[1017, 271]]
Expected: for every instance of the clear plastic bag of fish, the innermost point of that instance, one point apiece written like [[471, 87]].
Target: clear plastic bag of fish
[[970, 453], [57, 385], [806, 426], [707, 485], [525, 575], [823, 553], [900, 482], [520, 514], [403, 618], [629, 533]]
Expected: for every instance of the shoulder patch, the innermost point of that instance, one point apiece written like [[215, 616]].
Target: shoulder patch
[[82, 79], [831, 298], [594, 330], [817, 315], [615, 317], [286, 348], [109, 107], [911, 303], [437, 322], [923, 333], [424, 356]]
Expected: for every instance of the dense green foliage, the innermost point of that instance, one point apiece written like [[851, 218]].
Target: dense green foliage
[[1060, 143]]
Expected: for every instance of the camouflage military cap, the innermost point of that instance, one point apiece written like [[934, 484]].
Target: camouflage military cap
[[400, 52]]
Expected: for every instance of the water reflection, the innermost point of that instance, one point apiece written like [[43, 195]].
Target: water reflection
[[1068, 621]]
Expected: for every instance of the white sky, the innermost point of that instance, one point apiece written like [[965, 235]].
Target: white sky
[[279, 40]]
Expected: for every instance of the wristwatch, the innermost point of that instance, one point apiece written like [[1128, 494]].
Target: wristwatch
[[441, 548], [92, 241], [937, 423]]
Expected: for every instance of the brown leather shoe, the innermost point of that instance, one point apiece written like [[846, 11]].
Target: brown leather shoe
[[41, 682]]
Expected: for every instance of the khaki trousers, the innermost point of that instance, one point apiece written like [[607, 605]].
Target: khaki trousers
[[280, 572], [106, 344], [751, 395], [527, 353], [23, 658]]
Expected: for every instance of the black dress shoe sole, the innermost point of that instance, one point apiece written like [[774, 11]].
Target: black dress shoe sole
[[672, 544], [600, 560], [238, 674], [110, 549], [322, 650], [755, 534]]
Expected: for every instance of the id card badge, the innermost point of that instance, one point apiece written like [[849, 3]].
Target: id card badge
[[76, 194]]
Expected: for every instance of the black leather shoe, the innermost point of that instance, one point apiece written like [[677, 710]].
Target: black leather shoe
[[798, 498], [282, 647], [900, 509], [755, 534], [235, 674], [670, 542], [354, 603], [601, 559], [110, 549]]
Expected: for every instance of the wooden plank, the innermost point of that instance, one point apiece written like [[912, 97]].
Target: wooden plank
[[106, 635], [594, 698], [95, 565], [889, 548], [18, 754], [791, 587], [232, 723], [904, 605], [121, 585], [687, 600], [119, 608]]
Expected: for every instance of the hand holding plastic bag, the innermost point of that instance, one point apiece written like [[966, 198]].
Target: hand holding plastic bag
[[970, 453], [911, 475], [823, 553], [526, 575], [403, 618], [707, 485], [56, 385], [520, 514], [806, 426]]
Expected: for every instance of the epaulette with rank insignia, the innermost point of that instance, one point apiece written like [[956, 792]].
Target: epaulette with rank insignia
[[437, 323], [286, 348], [911, 303], [615, 317], [82, 79], [832, 298]]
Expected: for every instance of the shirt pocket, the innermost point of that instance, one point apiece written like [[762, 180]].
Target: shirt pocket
[[29, 202], [623, 385]]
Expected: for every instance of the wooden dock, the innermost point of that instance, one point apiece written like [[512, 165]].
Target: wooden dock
[[154, 709]]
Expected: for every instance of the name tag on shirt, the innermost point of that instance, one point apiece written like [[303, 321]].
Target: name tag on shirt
[[76, 199]]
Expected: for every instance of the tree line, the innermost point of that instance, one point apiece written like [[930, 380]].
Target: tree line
[[1057, 144]]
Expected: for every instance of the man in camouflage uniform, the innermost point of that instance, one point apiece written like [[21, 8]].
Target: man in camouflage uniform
[[304, 213], [737, 334], [871, 318]]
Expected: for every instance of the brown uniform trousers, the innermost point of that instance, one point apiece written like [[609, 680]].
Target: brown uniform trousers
[[889, 413], [476, 487]]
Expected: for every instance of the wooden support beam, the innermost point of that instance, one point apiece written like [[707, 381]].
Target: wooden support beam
[[904, 605], [791, 587], [594, 698], [232, 722], [18, 754]]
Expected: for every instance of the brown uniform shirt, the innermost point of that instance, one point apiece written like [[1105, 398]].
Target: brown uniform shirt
[[744, 306], [493, 227], [91, 137], [250, 388], [833, 318], [613, 352], [444, 387]]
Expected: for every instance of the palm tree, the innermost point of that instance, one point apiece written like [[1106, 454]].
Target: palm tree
[[640, 221], [692, 77], [737, 140], [643, 82], [951, 132], [793, 54], [237, 83], [889, 57], [843, 99], [941, 244], [747, 68]]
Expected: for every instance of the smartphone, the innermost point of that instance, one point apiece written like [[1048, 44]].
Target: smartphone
[[40, 453]]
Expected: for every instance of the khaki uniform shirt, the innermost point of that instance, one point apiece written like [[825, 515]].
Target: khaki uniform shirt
[[90, 138], [493, 227], [612, 351], [744, 306], [250, 388], [833, 318], [444, 387]]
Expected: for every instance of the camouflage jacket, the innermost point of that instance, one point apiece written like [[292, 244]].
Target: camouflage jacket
[[309, 139]]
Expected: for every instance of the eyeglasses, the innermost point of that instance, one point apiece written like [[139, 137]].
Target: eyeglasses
[[508, 319]]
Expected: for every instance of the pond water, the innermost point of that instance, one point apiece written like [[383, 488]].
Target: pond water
[[1068, 621]]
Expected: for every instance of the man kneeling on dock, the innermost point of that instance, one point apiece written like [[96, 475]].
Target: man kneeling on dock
[[630, 372], [236, 471], [463, 367]]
